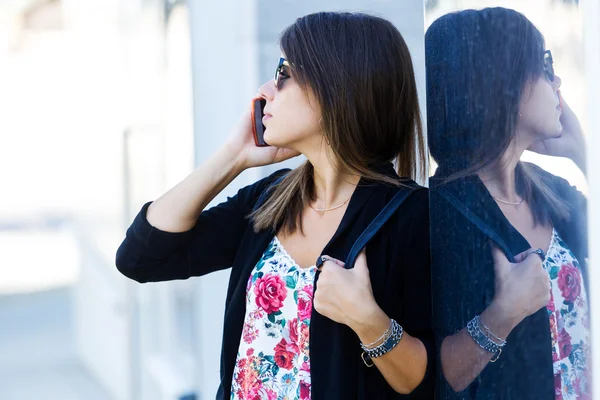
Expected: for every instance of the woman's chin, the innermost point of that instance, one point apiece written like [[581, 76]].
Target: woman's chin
[[275, 140], [271, 140]]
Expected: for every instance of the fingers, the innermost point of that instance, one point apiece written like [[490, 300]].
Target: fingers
[[326, 260], [537, 252], [519, 258], [522, 256]]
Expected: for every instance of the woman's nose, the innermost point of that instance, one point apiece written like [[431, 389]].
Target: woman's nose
[[556, 82], [267, 90]]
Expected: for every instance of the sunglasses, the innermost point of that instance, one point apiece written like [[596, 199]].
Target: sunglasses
[[280, 73], [548, 65]]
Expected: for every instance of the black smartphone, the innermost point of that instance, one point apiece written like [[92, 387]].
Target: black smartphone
[[258, 106]]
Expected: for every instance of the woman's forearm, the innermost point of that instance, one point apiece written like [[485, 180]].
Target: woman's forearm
[[178, 209], [462, 358], [404, 366]]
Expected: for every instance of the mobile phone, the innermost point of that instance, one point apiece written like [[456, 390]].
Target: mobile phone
[[258, 129]]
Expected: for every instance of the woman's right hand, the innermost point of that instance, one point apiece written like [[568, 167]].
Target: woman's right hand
[[241, 143], [521, 288]]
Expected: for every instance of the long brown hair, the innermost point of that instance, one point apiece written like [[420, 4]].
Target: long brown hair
[[360, 71], [478, 63]]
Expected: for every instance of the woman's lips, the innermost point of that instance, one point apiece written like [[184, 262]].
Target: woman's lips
[[266, 118]]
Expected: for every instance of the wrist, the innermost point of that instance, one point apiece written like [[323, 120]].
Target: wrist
[[369, 323], [500, 319], [236, 157]]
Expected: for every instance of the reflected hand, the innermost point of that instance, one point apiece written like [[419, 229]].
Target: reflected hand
[[521, 288], [571, 143]]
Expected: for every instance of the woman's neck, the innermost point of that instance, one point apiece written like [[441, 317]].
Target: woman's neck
[[333, 183], [500, 178]]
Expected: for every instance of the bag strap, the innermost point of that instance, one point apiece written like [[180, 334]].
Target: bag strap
[[478, 222], [377, 223], [384, 215]]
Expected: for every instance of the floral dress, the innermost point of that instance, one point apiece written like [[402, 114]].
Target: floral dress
[[273, 359], [569, 323]]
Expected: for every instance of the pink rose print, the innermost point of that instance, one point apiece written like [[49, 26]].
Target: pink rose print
[[291, 331], [564, 343], [250, 333], [305, 297], [284, 354], [270, 293], [249, 382], [303, 343], [550, 305], [265, 394], [569, 282], [304, 391], [558, 387]]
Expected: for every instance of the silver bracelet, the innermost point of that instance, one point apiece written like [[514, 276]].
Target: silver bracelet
[[479, 336], [381, 338], [392, 341], [499, 341]]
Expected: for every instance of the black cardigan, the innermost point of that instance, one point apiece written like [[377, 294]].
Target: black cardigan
[[398, 259], [463, 283]]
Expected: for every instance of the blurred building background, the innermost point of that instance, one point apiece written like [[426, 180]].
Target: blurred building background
[[108, 103]]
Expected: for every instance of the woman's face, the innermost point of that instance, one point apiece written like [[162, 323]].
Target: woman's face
[[539, 110], [292, 115]]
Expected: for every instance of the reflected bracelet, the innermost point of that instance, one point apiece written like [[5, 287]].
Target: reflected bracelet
[[474, 327]]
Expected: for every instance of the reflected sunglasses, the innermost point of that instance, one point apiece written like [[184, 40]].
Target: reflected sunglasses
[[548, 65], [280, 73]]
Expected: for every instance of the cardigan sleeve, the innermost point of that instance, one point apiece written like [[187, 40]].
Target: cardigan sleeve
[[148, 254]]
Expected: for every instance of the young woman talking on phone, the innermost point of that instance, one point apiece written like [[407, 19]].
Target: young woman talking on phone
[[509, 243], [307, 315]]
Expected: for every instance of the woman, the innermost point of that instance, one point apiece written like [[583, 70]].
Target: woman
[[344, 96], [509, 242]]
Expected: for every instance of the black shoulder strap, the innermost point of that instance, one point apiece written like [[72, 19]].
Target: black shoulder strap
[[377, 223]]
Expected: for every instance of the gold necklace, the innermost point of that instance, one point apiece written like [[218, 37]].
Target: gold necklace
[[512, 203], [330, 208]]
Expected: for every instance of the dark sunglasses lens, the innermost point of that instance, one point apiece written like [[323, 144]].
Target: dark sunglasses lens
[[278, 73], [548, 67], [549, 71]]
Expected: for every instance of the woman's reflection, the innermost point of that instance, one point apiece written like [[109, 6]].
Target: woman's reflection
[[509, 242]]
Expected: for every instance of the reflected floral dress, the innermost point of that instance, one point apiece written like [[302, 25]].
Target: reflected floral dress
[[273, 357], [569, 323]]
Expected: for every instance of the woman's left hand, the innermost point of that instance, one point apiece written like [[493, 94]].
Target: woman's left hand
[[345, 295], [570, 144]]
